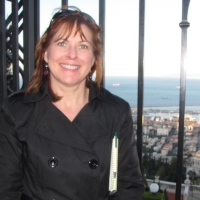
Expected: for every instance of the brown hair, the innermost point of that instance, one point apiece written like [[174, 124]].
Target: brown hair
[[67, 23]]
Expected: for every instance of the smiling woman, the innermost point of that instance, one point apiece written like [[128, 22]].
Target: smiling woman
[[66, 39], [66, 137]]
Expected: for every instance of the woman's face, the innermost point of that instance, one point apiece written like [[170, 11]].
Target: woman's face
[[70, 60]]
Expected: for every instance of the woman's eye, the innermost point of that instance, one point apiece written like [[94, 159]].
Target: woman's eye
[[62, 44], [83, 46]]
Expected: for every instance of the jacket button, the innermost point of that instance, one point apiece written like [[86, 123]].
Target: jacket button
[[93, 164], [53, 162]]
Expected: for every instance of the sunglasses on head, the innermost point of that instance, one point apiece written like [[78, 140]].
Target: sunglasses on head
[[63, 13]]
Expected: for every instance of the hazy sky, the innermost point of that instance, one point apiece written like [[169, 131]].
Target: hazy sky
[[162, 35]]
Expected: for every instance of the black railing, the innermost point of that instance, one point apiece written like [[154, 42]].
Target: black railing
[[3, 84], [140, 80], [17, 61], [184, 25], [102, 11]]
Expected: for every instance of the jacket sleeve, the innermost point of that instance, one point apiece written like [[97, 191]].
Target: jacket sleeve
[[10, 158], [130, 184]]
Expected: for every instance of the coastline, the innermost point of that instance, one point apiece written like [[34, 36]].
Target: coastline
[[170, 108], [169, 111]]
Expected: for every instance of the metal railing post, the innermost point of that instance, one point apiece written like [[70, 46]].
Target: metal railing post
[[15, 45], [184, 25], [3, 85], [64, 2], [102, 11], [29, 44], [140, 80]]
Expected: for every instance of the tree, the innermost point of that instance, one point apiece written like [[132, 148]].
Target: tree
[[161, 173], [172, 170]]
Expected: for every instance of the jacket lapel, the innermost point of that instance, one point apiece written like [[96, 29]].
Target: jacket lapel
[[89, 126], [55, 126]]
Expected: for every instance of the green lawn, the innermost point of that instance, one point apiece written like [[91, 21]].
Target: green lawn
[[150, 196]]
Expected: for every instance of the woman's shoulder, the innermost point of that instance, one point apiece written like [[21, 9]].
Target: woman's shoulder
[[16, 97], [107, 95], [19, 106], [114, 101], [13, 103], [14, 107], [14, 100], [20, 98]]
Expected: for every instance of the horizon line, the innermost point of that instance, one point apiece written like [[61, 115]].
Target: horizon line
[[189, 77]]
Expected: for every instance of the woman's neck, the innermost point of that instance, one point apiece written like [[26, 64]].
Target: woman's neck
[[72, 101]]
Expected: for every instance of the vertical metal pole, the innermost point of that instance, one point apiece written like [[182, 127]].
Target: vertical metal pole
[[3, 85], [65, 2], [37, 20], [36, 23], [140, 80], [28, 17], [184, 25], [15, 45], [102, 11]]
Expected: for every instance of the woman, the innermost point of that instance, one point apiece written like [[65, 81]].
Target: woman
[[56, 137]]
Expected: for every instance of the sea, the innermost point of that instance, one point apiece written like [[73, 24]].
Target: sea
[[160, 93]]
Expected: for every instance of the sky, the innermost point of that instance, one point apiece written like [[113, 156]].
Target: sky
[[162, 35]]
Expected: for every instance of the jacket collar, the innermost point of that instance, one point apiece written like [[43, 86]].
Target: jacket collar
[[95, 92], [35, 97]]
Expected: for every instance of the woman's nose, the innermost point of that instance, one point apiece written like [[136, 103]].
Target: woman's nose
[[72, 53]]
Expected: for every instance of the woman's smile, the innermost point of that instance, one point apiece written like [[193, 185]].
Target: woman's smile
[[71, 67]]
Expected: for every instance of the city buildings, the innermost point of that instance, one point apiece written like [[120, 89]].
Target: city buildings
[[160, 144]]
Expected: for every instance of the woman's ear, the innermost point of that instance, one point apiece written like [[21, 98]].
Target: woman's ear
[[93, 61], [45, 57]]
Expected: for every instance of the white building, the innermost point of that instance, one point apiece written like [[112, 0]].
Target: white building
[[195, 163], [163, 131]]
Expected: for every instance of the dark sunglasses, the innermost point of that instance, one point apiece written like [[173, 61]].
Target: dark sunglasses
[[63, 13]]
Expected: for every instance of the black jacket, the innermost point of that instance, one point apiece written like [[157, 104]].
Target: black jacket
[[44, 156]]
